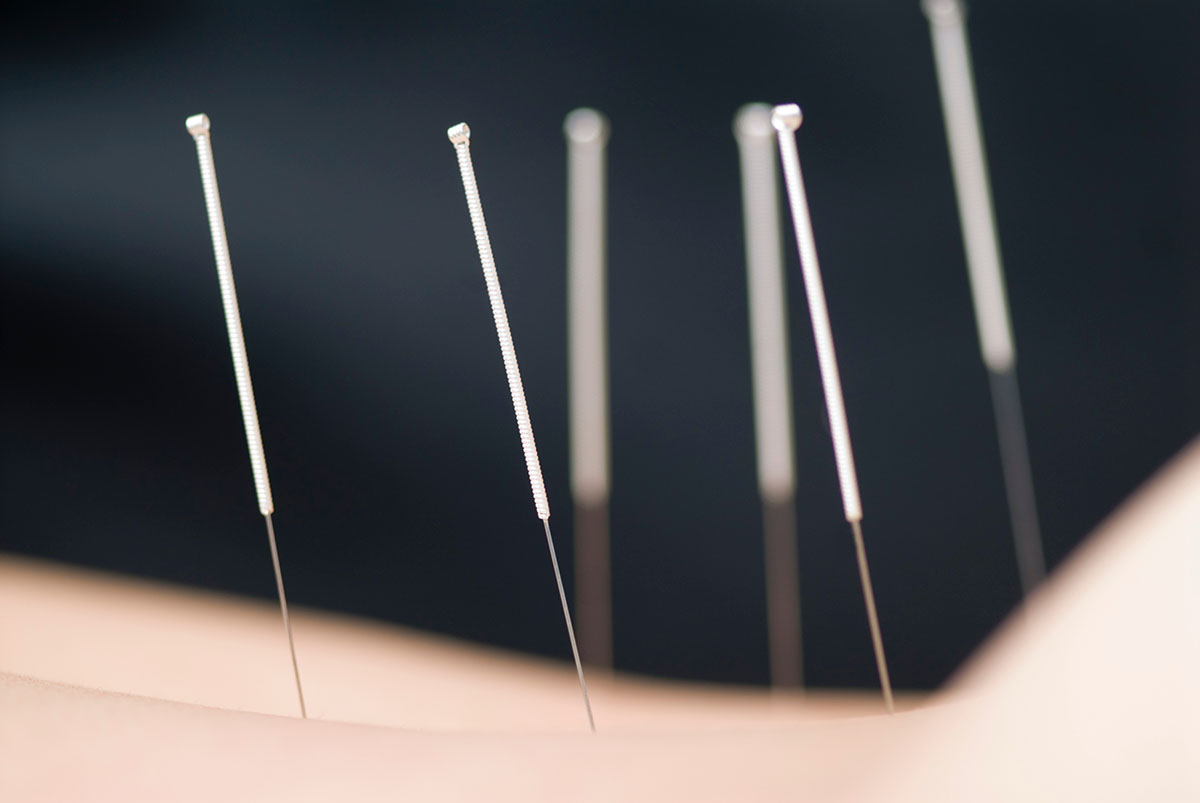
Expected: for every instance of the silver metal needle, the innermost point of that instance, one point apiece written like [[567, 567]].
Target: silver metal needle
[[769, 361], [587, 133], [786, 119], [984, 268], [198, 126], [460, 136]]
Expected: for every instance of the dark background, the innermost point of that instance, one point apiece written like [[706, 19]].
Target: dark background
[[397, 473]]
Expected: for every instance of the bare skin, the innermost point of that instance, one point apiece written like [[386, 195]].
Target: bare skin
[[114, 689]]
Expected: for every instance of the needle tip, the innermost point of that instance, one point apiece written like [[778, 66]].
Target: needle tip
[[459, 134], [786, 117], [197, 124]]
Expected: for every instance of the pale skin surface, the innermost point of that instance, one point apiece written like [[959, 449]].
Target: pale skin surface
[[1088, 696], [101, 631]]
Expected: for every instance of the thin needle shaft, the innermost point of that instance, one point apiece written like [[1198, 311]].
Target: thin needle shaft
[[460, 137], [985, 269], [786, 119], [864, 575], [562, 596], [198, 126], [283, 606]]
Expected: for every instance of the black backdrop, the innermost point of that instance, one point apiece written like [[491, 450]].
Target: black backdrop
[[394, 458]]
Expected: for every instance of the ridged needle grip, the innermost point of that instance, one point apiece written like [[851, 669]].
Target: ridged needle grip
[[460, 137], [198, 127], [786, 119]]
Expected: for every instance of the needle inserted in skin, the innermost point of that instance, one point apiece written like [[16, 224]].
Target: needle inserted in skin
[[198, 126], [287, 624], [786, 119], [984, 268], [772, 389], [587, 134], [460, 137]]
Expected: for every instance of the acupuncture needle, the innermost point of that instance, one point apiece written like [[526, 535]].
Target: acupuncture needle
[[460, 136], [772, 389], [985, 270], [786, 119], [198, 126], [587, 133]]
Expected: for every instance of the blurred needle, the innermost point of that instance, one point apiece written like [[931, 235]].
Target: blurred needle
[[587, 134], [772, 389], [984, 268]]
